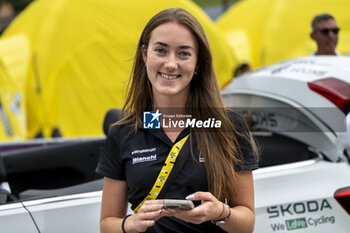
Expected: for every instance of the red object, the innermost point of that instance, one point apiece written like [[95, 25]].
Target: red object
[[335, 90], [343, 197]]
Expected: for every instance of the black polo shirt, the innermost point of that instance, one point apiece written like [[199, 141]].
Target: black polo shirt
[[138, 158]]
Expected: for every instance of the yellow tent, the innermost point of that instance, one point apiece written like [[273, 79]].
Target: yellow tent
[[82, 54], [14, 61], [264, 32]]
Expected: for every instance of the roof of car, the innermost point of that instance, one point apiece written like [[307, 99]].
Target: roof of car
[[290, 79], [308, 68]]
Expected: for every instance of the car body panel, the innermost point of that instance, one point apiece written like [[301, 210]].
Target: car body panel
[[14, 218], [301, 191], [77, 213]]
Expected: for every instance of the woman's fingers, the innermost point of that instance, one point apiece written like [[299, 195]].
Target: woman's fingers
[[201, 196], [209, 209], [150, 206], [149, 212]]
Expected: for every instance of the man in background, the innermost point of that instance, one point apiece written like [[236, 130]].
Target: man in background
[[7, 14], [325, 34]]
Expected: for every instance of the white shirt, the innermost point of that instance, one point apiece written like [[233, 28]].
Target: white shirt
[[314, 54]]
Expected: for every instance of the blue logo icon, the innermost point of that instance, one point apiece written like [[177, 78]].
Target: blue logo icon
[[151, 120]]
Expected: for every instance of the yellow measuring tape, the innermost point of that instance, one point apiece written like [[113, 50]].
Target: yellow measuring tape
[[164, 172]]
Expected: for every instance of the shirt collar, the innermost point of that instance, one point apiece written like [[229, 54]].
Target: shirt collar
[[314, 53]]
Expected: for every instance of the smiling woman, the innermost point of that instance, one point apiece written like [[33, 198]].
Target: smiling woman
[[173, 75], [171, 60]]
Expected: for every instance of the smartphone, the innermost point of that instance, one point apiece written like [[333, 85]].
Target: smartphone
[[182, 204]]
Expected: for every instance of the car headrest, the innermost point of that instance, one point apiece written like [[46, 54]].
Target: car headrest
[[111, 117], [2, 170]]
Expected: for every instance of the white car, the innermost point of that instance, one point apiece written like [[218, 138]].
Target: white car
[[50, 187], [297, 109], [303, 183]]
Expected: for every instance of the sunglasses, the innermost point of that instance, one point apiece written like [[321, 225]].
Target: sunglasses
[[326, 31]]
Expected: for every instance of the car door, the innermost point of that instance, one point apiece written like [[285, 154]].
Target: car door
[[14, 218], [68, 214]]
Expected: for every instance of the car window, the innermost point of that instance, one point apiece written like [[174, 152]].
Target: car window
[[53, 170], [276, 149]]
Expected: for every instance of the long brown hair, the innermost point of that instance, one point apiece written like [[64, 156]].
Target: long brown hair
[[219, 147]]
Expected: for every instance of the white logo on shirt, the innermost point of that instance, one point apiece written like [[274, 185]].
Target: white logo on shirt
[[143, 151], [200, 158], [144, 159]]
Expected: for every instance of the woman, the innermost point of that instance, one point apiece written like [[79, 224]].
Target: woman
[[173, 72]]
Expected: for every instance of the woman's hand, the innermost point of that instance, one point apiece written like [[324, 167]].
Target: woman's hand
[[209, 209], [149, 212]]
